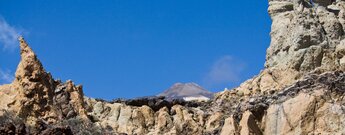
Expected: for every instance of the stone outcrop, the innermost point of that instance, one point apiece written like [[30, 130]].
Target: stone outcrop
[[306, 36], [39, 95], [297, 109], [123, 118], [300, 91], [35, 97]]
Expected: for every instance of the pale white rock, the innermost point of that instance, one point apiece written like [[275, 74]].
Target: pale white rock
[[248, 125], [291, 117], [198, 99], [230, 127]]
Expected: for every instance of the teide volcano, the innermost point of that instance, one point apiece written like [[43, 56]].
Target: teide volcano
[[187, 91]]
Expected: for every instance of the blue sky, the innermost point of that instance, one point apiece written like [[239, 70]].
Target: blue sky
[[132, 48]]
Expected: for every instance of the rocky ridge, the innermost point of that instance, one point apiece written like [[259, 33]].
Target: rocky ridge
[[300, 90]]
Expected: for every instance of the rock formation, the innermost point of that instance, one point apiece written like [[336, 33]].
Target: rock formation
[[300, 91], [35, 98], [306, 36]]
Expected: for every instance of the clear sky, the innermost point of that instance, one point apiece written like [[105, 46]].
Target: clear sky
[[133, 48]]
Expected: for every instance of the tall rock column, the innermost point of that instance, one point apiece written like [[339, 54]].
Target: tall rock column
[[35, 88], [39, 97]]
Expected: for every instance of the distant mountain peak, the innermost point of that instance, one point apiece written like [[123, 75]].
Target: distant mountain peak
[[183, 90]]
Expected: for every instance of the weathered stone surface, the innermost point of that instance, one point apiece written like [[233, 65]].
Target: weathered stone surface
[[214, 123], [230, 127], [184, 121], [7, 95], [35, 88], [304, 37], [291, 117], [248, 125], [330, 119]]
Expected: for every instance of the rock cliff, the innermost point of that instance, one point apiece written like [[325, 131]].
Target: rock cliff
[[300, 90], [306, 37]]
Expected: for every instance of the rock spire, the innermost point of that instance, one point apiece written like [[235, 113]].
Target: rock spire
[[38, 96]]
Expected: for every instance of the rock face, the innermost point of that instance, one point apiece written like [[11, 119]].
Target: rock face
[[306, 36], [300, 90]]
